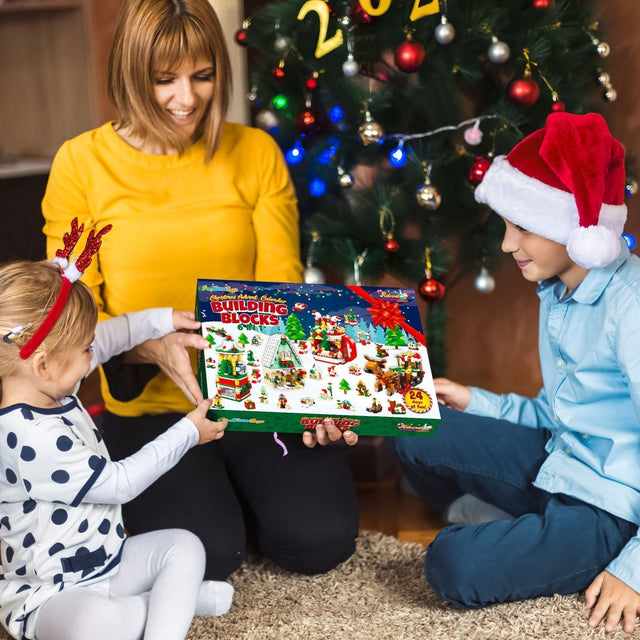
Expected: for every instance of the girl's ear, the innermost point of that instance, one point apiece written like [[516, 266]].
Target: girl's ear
[[40, 365]]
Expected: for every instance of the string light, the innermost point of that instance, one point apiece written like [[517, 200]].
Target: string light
[[401, 137], [398, 157], [296, 154], [317, 187]]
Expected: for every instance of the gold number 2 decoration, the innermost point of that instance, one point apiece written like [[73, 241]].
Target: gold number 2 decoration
[[419, 11], [322, 9]]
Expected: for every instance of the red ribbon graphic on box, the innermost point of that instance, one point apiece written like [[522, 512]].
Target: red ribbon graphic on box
[[387, 314]]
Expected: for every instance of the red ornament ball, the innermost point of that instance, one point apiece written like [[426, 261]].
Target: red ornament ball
[[478, 168], [309, 121], [391, 246], [241, 37], [432, 290], [543, 4], [277, 73], [358, 14], [523, 92], [409, 56], [558, 106]]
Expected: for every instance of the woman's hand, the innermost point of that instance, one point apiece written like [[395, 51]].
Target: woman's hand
[[451, 394], [184, 320], [326, 433], [209, 430], [608, 596], [171, 354]]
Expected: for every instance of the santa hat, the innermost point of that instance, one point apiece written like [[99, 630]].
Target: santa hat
[[565, 182]]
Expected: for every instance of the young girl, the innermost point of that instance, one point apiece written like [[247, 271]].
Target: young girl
[[68, 569]]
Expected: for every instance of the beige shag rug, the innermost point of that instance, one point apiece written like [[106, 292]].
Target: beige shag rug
[[381, 594]]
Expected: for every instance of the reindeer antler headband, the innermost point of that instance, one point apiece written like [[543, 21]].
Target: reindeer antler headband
[[71, 271]]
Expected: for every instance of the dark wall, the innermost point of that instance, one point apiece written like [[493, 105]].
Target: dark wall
[[21, 232]]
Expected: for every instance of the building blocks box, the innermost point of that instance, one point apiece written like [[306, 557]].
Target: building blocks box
[[285, 356]]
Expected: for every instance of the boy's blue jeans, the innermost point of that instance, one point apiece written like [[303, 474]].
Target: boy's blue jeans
[[554, 543]]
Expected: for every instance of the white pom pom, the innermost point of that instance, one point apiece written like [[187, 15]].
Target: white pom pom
[[71, 272], [593, 247]]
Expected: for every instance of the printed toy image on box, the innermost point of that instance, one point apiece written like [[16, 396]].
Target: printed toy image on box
[[285, 356]]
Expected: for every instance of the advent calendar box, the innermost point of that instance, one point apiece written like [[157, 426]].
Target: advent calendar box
[[285, 356]]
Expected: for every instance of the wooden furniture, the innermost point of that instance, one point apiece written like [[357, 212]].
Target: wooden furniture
[[53, 56]]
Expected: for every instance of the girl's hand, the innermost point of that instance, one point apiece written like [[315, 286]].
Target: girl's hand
[[209, 430], [451, 394], [608, 596], [326, 433]]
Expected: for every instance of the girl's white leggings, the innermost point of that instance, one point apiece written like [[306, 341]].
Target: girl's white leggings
[[153, 595]]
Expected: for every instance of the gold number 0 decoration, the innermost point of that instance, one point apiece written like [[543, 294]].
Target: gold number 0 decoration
[[324, 45], [320, 7], [418, 11]]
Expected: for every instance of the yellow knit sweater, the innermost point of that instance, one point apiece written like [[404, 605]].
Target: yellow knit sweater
[[175, 219]]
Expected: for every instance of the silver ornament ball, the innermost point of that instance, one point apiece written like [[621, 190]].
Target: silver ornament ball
[[313, 276], [610, 95], [603, 49], [499, 52], [444, 32], [428, 197], [280, 44], [484, 281], [631, 187], [350, 67], [604, 79], [267, 120]]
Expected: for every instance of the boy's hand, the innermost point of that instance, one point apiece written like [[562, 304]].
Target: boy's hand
[[451, 394], [209, 430], [615, 600], [326, 433], [184, 320]]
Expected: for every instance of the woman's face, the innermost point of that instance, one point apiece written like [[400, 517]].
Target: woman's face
[[184, 93]]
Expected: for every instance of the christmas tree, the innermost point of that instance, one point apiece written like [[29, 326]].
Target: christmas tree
[[390, 111]]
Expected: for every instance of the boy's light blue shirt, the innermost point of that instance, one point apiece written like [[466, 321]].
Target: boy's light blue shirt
[[589, 344]]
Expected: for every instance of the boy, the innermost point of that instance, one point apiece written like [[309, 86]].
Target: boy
[[565, 464]]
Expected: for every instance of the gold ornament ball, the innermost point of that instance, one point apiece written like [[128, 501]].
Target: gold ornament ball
[[345, 180], [370, 132], [428, 197]]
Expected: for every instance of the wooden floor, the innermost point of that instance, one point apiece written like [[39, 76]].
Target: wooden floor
[[386, 508]]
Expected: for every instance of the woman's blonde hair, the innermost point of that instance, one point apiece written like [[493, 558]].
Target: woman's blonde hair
[[155, 35], [27, 293]]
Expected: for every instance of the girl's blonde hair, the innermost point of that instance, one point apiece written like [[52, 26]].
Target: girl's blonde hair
[[27, 293], [155, 35]]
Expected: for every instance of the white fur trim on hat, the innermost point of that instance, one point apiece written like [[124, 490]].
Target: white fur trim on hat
[[551, 213]]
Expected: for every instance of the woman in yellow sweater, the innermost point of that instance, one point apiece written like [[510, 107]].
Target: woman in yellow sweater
[[192, 196]]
